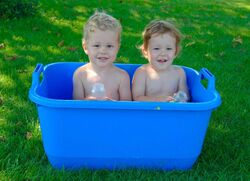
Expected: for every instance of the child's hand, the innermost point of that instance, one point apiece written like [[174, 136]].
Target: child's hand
[[99, 99], [108, 99], [170, 99], [180, 96], [90, 98], [164, 99]]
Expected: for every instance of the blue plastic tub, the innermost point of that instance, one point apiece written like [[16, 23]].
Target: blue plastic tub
[[123, 134]]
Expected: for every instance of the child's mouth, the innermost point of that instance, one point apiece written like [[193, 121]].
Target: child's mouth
[[102, 58], [162, 60]]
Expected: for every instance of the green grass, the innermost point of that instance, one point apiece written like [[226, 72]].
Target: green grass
[[217, 36]]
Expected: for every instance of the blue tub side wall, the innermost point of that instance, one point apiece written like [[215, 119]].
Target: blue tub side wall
[[71, 163], [58, 81], [110, 135], [113, 136]]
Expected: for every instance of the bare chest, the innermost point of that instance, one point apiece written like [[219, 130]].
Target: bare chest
[[163, 86], [109, 84]]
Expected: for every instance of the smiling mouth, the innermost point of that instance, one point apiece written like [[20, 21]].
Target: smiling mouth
[[162, 60], [102, 58]]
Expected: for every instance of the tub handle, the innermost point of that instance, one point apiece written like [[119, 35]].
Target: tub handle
[[206, 74], [36, 75]]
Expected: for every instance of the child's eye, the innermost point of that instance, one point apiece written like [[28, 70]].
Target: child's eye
[[169, 48], [156, 48], [110, 46], [96, 46]]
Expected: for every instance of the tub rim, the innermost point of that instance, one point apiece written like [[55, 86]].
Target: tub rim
[[126, 105]]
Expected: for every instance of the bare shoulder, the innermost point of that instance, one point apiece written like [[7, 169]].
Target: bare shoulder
[[79, 72], [142, 69], [178, 70], [120, 72]]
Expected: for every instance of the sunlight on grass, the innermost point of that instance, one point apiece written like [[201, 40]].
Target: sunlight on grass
[[131, 34], [30, 58], [18, 38], [36, 129], [236, 31], [36, 48], [4, 176], [220, 128], [135, 14], [243, 5], [2, 121], [81, 9], [6, 81], [230, 12], [63, 23], [9, 49], [147, 3], [34, 132], [197, 27], [122, 59], [54, 50], [80, 22]]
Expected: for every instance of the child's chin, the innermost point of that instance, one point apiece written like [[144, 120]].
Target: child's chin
[[104, 64], [161, 67]]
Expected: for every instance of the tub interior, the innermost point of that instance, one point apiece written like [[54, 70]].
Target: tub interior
[[57, 81]]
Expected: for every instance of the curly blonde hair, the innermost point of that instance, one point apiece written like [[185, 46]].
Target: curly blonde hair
[[101, 21]]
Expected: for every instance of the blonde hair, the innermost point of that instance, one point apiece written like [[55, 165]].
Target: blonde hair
[[159, 27], [101, 21]]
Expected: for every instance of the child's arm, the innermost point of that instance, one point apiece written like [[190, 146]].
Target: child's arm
[[182, 86], [139, 88], [78, 88], [124, 89], [139, 85]]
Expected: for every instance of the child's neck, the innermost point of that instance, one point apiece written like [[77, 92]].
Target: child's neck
[[168, 69], [100, 70]]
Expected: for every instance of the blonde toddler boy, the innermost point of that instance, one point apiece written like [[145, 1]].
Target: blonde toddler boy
[[101, 43]]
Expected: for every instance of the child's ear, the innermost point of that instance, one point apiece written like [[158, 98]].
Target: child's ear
[[177, 50], [144, 52], [84, 46]]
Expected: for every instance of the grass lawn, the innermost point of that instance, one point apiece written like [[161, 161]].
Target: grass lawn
[[217, 36]]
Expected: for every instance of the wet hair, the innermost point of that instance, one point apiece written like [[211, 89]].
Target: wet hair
[[101, 21], [159, 27]]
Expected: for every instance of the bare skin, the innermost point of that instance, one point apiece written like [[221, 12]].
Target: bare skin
[[101, 48], [159, 80], [158, 86], [115, 81]]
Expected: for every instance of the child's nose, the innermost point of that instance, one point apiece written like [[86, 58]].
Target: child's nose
[[163, 52], [103, 49]]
